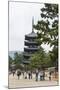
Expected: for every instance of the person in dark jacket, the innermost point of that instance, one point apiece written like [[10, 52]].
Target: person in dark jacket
[[36, 75], [13, 72], [29, 74], [49, 75], [18, 73]]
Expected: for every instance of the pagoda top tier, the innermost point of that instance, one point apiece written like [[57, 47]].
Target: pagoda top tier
[[32, 34]]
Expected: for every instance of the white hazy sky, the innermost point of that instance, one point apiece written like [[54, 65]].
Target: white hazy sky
[[20, 23]]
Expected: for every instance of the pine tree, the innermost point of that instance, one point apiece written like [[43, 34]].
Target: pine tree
[[48, 29]]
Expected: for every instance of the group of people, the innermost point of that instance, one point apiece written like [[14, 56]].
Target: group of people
[[39, 75]]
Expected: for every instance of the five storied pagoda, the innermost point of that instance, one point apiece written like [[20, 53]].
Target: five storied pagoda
[[31, 45]]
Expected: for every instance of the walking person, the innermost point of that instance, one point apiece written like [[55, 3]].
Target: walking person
[[29, 74], [25, 75], [18, 73], [41, 75], [13, 72], [36, 75], [49, 75]]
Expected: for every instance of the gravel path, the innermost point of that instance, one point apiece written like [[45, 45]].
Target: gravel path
[[15, 83]]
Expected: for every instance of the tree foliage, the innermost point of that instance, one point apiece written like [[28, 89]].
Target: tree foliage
[[40, 59], [47, 32], [47, 29], [10, 62], [18, 60]]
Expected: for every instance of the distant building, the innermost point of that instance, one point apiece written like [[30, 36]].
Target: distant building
[[31, 45]]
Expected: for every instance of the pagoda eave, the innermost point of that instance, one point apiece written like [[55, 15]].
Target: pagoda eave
[[30, 37], [27, 54], [26, 62], [31, 49], [27, 43]]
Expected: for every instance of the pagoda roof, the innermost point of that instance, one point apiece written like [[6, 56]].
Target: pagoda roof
[[27, 43], [26, 61], [32, 34], [27, 54], [31, 49]]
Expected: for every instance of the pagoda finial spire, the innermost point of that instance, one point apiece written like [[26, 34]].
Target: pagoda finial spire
[[32, 24]]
